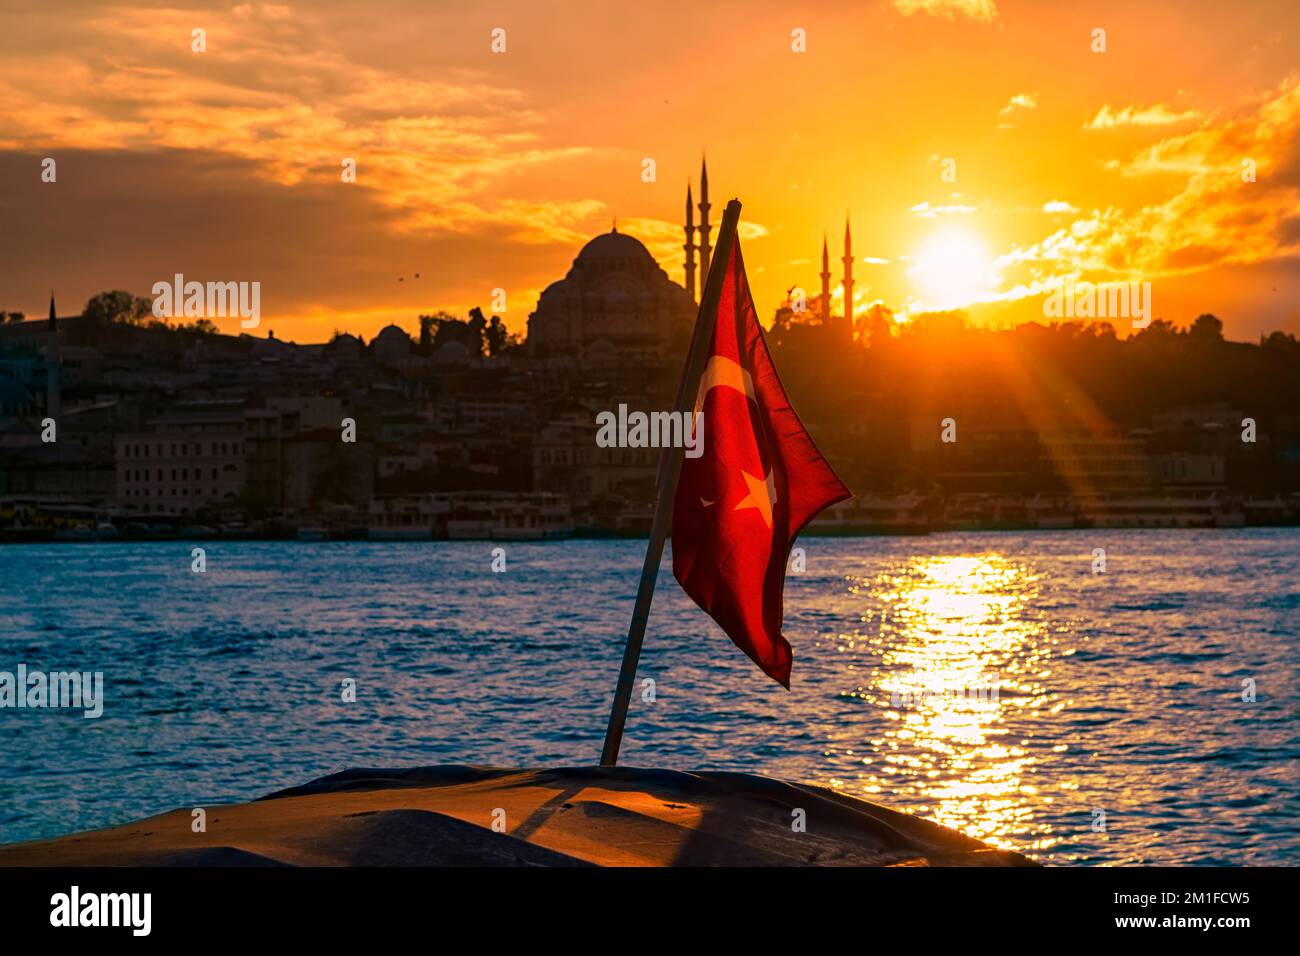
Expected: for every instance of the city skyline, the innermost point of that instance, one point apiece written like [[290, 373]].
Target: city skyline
[[482, 171]]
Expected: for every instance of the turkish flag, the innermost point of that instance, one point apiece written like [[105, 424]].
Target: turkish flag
[[760, 479]]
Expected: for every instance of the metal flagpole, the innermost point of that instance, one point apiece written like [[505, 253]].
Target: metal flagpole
[[670, 471]]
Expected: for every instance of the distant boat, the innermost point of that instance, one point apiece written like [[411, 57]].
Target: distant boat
[[1269, 511], [1157, 511], [536, 517], [471, 516], [400, 534], [885, 515], [1050, 512]]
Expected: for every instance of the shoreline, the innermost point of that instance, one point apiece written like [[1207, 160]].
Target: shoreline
[[292, 536], [457, 815]]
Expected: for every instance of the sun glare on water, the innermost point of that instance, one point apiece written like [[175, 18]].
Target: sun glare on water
[[952, 268], [961, 660]]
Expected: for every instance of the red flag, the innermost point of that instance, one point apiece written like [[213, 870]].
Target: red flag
[[760, 479]]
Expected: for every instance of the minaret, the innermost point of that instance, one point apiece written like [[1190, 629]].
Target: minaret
[[704, 222], [847, 331], [52, 365], [826, 282], [690, 243]]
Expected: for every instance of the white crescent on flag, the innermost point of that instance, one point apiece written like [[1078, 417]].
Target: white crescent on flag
[[722, 371]]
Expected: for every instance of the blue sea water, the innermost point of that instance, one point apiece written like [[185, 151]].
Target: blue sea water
[[1118, 733]]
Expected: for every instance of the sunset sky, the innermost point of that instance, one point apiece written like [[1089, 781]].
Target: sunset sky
[[481, 170]]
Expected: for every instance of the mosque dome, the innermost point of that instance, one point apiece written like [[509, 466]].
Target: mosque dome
[[614, 245], [614, 294]]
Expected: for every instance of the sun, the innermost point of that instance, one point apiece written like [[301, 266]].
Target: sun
[[952, 268]]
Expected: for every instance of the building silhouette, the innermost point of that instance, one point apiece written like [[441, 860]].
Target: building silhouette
[[161, 428], [52, 363], [616, 308]]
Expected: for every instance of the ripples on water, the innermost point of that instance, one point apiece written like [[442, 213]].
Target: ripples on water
[[990, 682]]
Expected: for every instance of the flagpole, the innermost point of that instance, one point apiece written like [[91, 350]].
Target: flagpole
[[670, 470]]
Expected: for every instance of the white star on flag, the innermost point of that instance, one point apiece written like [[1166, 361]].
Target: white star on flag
[[762, 495]]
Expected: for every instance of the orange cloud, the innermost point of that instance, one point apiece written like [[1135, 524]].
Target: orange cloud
[[1212, 217], [983, 10], [271, 90], [1158, 115]]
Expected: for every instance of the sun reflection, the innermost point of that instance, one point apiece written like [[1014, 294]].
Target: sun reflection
[[958, 651]]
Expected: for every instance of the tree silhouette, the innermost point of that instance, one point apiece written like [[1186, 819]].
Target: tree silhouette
[[1206, 328]]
